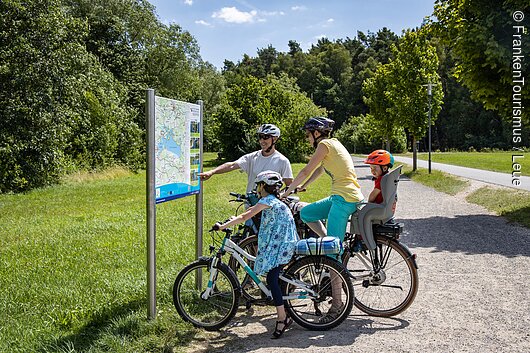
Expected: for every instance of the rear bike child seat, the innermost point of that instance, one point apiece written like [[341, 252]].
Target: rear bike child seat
[[369, 213]]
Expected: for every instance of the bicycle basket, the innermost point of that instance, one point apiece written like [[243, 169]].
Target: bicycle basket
[[319, 246]]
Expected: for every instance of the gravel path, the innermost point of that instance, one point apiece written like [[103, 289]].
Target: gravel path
[[474, 274]]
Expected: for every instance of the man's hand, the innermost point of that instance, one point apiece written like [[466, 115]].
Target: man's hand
[[205, 175]]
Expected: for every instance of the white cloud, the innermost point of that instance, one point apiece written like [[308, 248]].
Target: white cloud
[[272, 13], [298, 8], [233, 15], [188, 2], [202, 22], [330, 20]]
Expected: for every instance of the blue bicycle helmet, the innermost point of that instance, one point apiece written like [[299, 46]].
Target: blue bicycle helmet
[[319, 123]]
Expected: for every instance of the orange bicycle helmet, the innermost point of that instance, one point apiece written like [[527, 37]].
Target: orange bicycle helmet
[[380, 157]]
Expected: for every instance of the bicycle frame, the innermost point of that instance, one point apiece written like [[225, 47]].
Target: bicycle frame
[[238, 253]]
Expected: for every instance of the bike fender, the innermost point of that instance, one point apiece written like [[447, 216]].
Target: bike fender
[[409, 254]]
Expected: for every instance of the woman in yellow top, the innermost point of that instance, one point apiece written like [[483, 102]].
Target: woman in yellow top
[[333, 158]]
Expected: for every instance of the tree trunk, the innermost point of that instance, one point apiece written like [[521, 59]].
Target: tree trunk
[[414, 154]]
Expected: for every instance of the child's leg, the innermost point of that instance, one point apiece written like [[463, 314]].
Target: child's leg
[[273, 280]]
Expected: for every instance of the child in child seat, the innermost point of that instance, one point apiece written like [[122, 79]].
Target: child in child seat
[[380, 162], [276, 240]]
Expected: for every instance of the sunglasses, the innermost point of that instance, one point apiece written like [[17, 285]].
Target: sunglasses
[[264, 137]]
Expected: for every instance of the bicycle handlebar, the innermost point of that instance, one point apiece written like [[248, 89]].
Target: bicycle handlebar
[[239, 197], [215, 228]]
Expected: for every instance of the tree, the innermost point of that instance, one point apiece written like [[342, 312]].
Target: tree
[[383, 119], [61, 109], [415, 64], [252, 102], [489, 48], [357, 136]]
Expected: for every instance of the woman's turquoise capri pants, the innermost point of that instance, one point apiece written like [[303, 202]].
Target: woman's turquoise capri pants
[[333, 208]]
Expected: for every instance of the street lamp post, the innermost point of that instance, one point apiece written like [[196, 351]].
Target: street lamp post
[[429, 92]]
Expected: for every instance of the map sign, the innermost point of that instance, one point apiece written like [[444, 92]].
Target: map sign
[[177, 149]]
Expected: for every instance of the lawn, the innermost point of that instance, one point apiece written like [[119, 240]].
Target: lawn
[[437, 180], [494, 161], [73, 263], [512, 204]]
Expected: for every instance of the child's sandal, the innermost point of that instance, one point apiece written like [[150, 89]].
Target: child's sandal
[[286, 323]]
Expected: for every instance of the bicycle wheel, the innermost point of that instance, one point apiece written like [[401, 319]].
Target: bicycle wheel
[[249, 288], [214, 312], [389, 287], [319, 272]]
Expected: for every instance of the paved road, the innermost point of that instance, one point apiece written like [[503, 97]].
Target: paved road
[[503, 179], [474, 274]]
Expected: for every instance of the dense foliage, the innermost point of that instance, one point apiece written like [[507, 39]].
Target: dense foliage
[[72, 80], [486, 41], [251, 102]]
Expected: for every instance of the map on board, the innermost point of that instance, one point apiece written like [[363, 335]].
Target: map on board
[[177, 153]]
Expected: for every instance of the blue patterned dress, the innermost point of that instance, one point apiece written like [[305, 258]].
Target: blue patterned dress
[[277, 236]]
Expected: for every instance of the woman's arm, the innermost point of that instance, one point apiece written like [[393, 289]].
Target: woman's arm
[[251, 212], [316, 174], [315, 160]]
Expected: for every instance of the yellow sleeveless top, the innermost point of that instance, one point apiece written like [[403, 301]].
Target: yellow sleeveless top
[[339, 166]]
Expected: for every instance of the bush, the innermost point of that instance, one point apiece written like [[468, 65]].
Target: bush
[[252, 102], [357, 137]]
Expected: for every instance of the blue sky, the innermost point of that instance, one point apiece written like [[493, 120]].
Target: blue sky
[[227, 29]]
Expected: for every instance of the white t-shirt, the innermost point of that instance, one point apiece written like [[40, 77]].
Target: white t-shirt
[[255, 163]]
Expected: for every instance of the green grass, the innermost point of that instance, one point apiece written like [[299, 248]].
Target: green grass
[[73, 263], [493, 161], [512, 204], [437, 180]]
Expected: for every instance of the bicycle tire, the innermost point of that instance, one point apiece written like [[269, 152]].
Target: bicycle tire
[[216, 311], [393, 289], [308, 311], [250, 290]]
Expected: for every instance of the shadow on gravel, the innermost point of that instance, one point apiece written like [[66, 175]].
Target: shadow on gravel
[[470, 234], [299, 338]]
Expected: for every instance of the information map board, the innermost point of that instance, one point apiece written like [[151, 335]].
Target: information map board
[[177, 149]]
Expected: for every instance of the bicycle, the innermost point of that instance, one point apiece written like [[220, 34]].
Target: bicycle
[[206, 292], [383, 270], [246, 238]]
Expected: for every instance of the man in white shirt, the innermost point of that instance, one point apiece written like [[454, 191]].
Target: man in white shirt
[[268, 158]]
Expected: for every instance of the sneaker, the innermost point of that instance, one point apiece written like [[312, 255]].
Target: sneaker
[[332, 314]]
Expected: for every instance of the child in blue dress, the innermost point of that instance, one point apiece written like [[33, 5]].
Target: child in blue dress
[[276, 240]]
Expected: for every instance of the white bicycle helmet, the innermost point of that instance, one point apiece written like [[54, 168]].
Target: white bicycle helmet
[[269, 177], [269, 129]]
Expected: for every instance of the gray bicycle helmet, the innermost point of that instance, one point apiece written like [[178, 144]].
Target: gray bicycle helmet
[[269, 129], [269, 177]]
